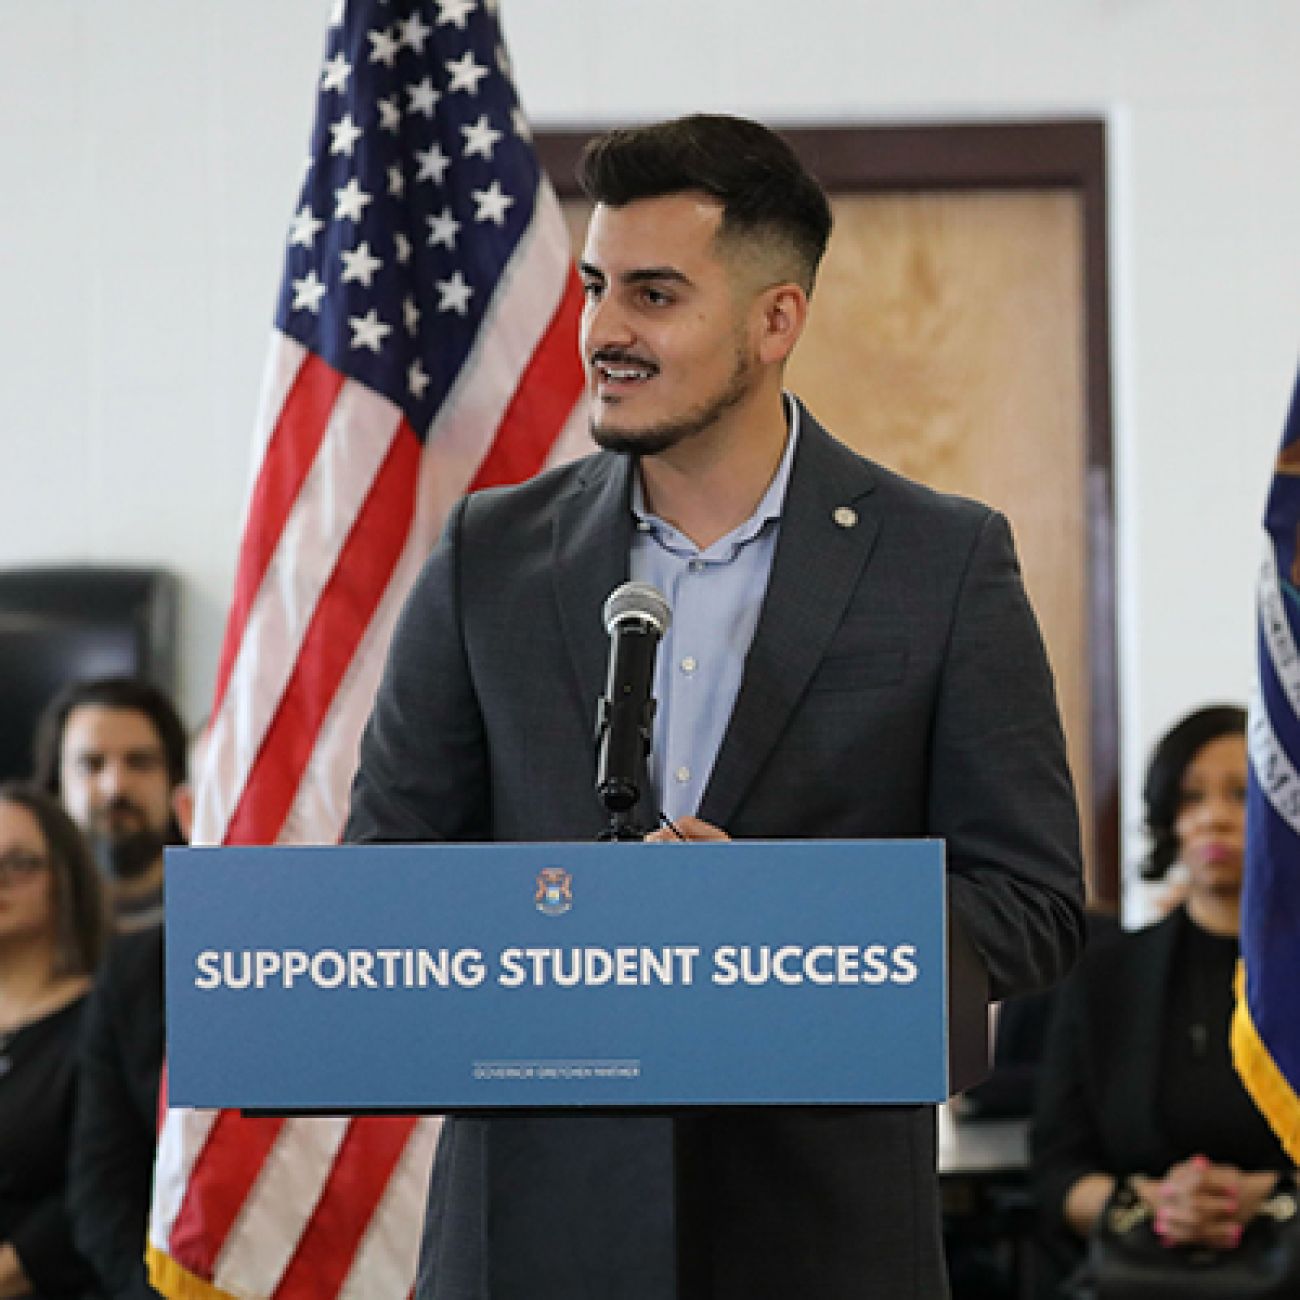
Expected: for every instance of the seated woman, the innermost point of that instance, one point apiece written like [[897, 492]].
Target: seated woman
[[51, 934], [1137, 1082]]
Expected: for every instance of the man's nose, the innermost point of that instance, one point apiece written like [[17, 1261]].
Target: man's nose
[[112, 779], [604, 325]]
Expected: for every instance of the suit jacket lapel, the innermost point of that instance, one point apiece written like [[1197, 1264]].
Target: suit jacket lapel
[[590, 545], [827, 533]]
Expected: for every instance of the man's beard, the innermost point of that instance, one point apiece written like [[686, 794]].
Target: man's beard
[[656, 438], [127, 855]]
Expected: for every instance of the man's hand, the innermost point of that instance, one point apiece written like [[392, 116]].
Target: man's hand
[[689, 828]]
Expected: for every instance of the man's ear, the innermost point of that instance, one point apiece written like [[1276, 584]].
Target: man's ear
[[183, 808], [783, 311]]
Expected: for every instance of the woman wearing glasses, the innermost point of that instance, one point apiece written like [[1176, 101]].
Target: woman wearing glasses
[[51, 933]]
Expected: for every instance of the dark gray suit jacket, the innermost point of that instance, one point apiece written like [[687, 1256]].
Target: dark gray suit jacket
[[896, 686]]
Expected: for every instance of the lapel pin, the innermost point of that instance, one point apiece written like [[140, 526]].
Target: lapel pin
[[845, 516]]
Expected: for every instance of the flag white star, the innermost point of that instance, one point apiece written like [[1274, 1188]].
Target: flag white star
[[334, 76], [307, 292], [454, 294], [492, 204], [416, 380], [304, 227], [433, 164], [359, 264], [411, 314], [402, 245], [455, 11], [423, 97], [415, 31], [369, 331], [384, 45], [480, 138], [350, 202], [443, 228], [396, 181], [390, 115], [465, 73], [345, 134]]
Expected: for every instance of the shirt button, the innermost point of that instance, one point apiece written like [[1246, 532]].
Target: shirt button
[[688, 664], [696, 566], [683, 774]]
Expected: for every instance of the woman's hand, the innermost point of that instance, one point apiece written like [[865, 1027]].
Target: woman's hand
[[1201, 1203]]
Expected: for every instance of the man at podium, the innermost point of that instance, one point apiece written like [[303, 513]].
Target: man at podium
[[851, 655]]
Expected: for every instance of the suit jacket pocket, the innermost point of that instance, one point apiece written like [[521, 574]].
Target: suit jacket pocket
[[881, 666]]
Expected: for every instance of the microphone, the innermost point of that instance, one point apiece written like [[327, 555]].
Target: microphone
[[636, 617]]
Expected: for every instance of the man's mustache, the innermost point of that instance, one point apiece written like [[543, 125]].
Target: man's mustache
[[617, 357], [117, 808]]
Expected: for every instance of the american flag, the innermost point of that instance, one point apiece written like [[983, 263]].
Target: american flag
[[1265, 1027], [425, 344]]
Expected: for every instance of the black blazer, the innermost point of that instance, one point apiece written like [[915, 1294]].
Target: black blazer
[[896, 686], [115, 1130]]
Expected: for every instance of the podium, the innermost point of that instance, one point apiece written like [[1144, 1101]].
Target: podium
[[651, 978]]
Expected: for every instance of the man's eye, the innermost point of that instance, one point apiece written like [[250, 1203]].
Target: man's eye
[[656, 297]]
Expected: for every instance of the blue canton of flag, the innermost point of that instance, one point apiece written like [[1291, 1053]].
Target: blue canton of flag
[[421, 182], [1266, 1026]]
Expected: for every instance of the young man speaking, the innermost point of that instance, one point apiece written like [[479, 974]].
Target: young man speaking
[[851, 656]]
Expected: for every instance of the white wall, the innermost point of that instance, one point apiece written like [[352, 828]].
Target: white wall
[[150, 156]]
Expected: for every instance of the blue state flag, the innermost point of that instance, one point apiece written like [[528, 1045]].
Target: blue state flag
[[1266, 1024]]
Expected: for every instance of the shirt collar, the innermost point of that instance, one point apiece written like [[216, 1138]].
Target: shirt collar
[[770, 504]]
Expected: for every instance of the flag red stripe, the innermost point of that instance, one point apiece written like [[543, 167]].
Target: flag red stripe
[[356, 1182], [338, 623], [290, 453], [543, 401], [219, 1183]]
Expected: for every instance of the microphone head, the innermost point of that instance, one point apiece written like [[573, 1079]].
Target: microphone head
[[637, 601]]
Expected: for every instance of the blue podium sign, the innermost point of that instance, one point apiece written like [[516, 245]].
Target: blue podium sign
[[540, 976]]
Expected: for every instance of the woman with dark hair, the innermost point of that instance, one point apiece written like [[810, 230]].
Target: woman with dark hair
[[1137, 1085], [51, 936]]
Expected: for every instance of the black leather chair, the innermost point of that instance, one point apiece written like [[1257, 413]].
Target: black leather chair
[[63, 624]]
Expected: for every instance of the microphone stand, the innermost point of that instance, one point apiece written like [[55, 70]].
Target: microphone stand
[[620, 793]]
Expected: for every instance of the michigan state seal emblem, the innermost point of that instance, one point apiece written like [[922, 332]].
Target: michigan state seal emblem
[[554, 894]]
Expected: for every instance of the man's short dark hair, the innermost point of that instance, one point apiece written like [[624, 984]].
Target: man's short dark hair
[[751, 171], [110, 693], [1163, 790]]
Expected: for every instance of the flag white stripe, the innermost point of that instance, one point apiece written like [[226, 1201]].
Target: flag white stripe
[[284, 360], [277, 1210], [183, 1136], [386, 1259]]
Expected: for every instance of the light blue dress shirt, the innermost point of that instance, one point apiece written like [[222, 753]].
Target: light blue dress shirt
[[715, 596]]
